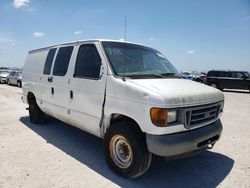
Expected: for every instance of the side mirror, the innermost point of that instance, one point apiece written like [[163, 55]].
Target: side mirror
[[244, 77], [101, 71]]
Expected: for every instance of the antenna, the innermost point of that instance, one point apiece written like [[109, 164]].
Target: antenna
[[125, 46], [125, 33]]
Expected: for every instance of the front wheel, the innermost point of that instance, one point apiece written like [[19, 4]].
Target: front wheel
[[126, 151], [37, 116]]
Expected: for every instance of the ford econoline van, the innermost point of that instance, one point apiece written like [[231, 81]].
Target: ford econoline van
[[128, 94]]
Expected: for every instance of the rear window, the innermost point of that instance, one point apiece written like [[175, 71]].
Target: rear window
[[223, 74], [49, 60], [237, 75], [62, 61], [218, 74]]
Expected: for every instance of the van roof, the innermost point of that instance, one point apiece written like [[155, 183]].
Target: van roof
[[80, 41]]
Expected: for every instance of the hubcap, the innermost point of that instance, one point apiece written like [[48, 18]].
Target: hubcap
[[120, 151], [214, 85]]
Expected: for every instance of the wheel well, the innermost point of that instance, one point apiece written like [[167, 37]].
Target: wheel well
[[120, 117], [30, 97]]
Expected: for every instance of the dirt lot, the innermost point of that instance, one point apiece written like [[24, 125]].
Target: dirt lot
[[57, 155]]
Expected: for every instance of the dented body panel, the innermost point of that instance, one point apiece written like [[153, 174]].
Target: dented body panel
[[90, 104]]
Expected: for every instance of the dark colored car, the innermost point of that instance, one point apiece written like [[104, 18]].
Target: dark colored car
[[228, 79]]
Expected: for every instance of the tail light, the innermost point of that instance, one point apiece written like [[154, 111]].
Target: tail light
[[205, 79]]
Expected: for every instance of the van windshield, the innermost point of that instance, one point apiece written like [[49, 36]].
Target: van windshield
[[135, 61]]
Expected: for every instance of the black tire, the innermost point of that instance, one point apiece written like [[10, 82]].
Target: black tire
[[37, 116], [141, 157], [19, 84]]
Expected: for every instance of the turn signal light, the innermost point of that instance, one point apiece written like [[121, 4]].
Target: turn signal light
[[159, 116]]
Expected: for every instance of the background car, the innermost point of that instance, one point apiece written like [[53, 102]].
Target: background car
[[228, 79], [15, 78], [3, 76], [193, 75], [198, 77], [186, 75]]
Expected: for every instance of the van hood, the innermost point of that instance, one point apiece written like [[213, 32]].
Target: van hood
[[181, 92]]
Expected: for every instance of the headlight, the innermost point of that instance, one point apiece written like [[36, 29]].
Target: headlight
[[172, 115], [222, 106], [161, 116]]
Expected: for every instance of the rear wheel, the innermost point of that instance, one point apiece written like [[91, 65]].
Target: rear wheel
[[126, 151], [8, 82], [37, 116]]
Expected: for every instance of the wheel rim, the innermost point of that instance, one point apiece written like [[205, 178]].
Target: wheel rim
[[120, 151], [18, 84]]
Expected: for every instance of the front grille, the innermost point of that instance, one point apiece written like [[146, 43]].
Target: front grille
[[201, 115]]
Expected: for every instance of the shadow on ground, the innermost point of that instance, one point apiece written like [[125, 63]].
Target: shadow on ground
[[236, 91], [205, 170]]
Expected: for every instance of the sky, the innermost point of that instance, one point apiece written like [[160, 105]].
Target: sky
[[194, 35]]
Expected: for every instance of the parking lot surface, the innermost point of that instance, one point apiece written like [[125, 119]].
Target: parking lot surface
[[58, 155]]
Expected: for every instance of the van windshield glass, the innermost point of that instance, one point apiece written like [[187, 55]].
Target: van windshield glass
[[137, 61]]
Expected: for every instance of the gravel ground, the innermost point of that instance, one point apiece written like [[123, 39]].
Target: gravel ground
[[58, 155]]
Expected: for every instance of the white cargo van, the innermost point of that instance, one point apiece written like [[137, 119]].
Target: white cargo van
[[126, 93]]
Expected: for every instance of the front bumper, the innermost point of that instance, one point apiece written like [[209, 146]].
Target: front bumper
[[3, 80], [184, 142]]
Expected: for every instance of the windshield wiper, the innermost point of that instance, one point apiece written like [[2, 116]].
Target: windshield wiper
[[153, 75], [170, 74], [146, 76], [156, 75]]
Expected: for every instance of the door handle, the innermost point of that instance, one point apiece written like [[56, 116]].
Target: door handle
[[52, 91], [71, 94], [50, 79]]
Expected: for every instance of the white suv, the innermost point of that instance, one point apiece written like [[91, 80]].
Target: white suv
[[126, 93]]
